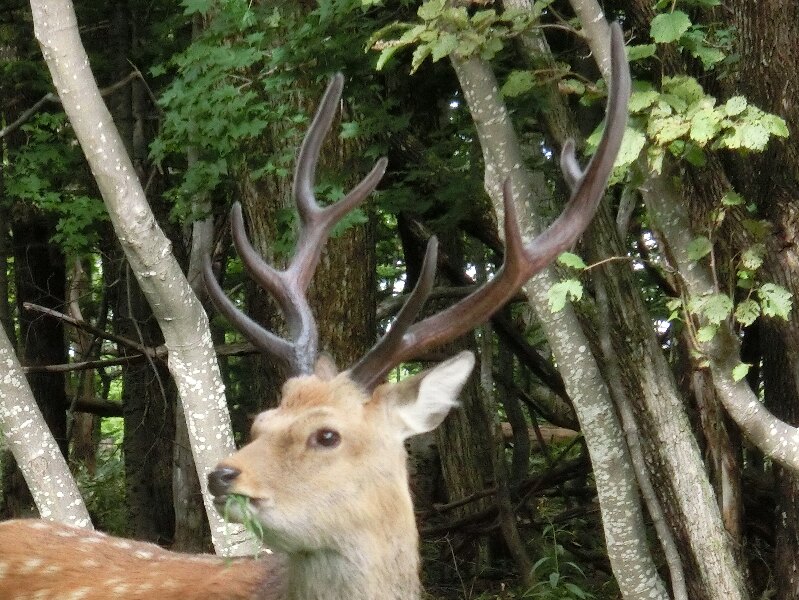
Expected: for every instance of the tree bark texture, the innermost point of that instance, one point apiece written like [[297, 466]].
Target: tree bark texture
[[767, 74], [41, 279], [618, 494], [342, 291], [182, 320], [642, 374], [148, 398], [34, 448]]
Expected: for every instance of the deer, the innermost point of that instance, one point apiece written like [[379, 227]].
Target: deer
[[324, 475]]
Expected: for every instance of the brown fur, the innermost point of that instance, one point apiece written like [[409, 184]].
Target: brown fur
[[50, 561]]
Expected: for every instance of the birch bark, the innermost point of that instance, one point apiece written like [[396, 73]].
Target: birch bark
[[622, 517], [192, 361], [33, 446]]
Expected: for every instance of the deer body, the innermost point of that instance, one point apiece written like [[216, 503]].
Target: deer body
[[50, 561], [324, 475]]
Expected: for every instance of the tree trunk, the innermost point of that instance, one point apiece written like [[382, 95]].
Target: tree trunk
[[767, 74], [148, 398], [182, 320], [34, 449], [342, 292], [40, 279], [618, 494], [83, 428]]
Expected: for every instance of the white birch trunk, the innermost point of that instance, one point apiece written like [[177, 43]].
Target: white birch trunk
[[192, 360], [33, 446], [622, 518]]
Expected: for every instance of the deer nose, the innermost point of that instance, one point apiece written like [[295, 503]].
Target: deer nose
[[220, 480]]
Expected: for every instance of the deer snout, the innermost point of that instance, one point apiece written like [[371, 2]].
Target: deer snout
[[220, 480]]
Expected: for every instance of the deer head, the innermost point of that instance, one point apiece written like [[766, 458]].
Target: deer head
[[325, 472]]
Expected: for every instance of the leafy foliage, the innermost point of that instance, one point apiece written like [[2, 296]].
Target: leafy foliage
[[682, 120], [104, 491], [669, 27], [558, 578], [768, 299], [708, 44], [445, 29], [42, 171], [231, 95]]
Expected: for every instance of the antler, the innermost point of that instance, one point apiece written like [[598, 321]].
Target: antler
[[521, 261], [289, 286], [407, 339]]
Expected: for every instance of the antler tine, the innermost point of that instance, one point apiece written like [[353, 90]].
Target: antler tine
[[316, 221], [383, 351], [522, 261], [289, 286], [258, 336], [569, 166]]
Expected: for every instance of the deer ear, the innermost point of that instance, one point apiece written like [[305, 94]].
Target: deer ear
[[420, 403]]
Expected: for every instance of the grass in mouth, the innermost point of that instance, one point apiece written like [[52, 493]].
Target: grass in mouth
[[241, 506]]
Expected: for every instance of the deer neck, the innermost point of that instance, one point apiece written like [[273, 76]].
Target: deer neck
[[379, 563]]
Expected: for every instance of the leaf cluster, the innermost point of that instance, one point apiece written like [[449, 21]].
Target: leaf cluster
[[745, 299], [707, 43], [444, 29], [231, 95], [684, 121], [42, 171]]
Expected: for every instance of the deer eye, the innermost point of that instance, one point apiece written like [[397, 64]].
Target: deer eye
[[324, 438]]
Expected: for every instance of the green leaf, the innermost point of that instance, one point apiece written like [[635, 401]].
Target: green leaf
[[739, 371], [699, 247], [735, 106], [667, 28], [640, 51], [775, 300], [694, 155], [708, 55], [731, 198], [752, 258], [716, 308], [431, 9], [411, 35], [484, 18], [674, 305], [706, 333], [491, 47], [558, 293], [668, 129], [571, 86], [705, 124], [775, 125], [518, 83], [571, 260], [642, 98], [631, 145], [747, 311], [753, 136], [758, 228], [421, 52], [385, 55], [202, 7], [685, 87], [447, 42]]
